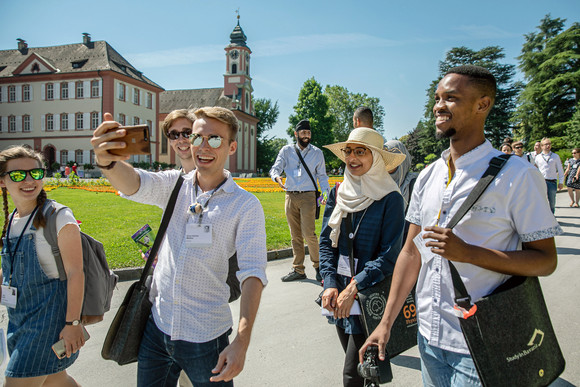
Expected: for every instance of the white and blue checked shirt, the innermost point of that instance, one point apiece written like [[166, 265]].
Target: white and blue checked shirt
[[189, 291]]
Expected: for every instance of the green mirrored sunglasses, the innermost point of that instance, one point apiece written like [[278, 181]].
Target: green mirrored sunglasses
[[20, 174]]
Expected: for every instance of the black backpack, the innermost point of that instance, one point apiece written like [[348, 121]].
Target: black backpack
[[100, 281]]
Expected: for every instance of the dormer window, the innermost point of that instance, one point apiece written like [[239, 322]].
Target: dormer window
[[78, 64]]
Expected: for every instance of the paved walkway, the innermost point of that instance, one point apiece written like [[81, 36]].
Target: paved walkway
[[292, 345]]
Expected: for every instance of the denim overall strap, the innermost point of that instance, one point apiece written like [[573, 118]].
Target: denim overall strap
[[39, 316]]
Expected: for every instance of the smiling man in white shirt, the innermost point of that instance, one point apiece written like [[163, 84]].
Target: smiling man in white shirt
[[191, 319], [485, 246]]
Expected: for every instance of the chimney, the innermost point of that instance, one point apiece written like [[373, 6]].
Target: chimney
[[87, 40], [22, 46]]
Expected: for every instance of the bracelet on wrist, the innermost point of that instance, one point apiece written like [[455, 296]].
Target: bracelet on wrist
[[107, 167]]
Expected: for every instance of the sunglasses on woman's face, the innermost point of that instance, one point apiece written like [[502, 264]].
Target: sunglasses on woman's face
[[174, 134], [213, 141], [20, 174]]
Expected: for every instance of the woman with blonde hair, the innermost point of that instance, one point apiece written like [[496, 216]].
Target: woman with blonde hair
[[41, 309]]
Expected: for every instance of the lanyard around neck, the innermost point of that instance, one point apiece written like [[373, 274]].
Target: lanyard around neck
[[197, 208], [12, 252]]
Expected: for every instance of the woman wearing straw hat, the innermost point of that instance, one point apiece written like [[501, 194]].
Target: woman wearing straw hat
[[370, 201]]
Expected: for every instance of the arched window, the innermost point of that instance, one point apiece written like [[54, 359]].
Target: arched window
[[234, 68]]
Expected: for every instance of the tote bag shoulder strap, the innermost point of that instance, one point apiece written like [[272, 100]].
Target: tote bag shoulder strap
[[462, 298]]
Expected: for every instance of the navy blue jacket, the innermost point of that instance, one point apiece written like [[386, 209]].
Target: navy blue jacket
[[377, 245]]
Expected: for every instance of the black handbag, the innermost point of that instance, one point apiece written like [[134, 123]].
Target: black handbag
[[313, 182], [373, 301], [508, 332], [126, 331]]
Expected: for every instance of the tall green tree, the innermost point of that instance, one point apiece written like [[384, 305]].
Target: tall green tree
[[550, 61], [267, 112], [422, 142], [341, 106], [313, 105]]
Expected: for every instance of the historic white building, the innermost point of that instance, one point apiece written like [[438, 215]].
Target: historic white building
[[52, 98]]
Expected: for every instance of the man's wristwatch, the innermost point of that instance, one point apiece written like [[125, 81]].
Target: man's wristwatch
[[73, 322]]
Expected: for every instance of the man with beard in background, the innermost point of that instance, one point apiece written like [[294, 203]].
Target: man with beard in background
[[300, 203]]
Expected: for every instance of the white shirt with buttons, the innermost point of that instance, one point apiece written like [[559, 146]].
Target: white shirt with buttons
[[189, 291], [513, 209]]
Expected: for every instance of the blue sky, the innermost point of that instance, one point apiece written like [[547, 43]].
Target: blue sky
[[386, 49]]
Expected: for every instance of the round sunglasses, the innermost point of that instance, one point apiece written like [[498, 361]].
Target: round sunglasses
[[214, 141], [19, 175], [174, 134], [358, 151]]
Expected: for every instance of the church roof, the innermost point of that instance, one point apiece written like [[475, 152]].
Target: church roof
[[170, 100], [237, 37], [73, 58]]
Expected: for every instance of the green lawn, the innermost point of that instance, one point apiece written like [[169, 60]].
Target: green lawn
[[112, 220]]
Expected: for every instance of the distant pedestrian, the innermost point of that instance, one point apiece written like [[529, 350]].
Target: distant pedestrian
[[506, 148], [518, 147], [550, 166], [66, 171], [362, 118], [300, 206], [573, 176], [74, 169]]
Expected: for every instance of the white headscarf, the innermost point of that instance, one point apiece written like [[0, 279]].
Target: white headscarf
[[357, 193]]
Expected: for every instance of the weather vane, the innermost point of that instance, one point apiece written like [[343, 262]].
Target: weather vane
[[238, 12]]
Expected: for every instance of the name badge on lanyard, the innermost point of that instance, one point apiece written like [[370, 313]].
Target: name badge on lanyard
[[198, 235], [9, 296]]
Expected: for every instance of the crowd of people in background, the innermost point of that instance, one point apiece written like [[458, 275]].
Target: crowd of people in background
[[550, 166]]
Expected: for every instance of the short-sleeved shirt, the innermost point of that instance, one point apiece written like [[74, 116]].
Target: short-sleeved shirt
[[513, 209], [189, 290], [43, 248]]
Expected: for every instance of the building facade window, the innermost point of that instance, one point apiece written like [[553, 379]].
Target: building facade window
[[63, 121], [136, 96], [94, 120], [26, 123], [26, 93], [11, 93], [79, 121], [92, 157], [163, 145], [94, 89], [49, 91], [121, 92], [122, 119], [1, 127], [79, 157], [64, 90], [49, 122], [149, 103], [63, 157], [80, 90], [136, 121], [12, 124]]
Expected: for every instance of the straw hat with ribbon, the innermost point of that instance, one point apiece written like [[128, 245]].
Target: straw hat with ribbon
[[371, 139]]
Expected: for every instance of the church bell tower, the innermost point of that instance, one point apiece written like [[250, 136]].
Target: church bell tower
[[237, 80]]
